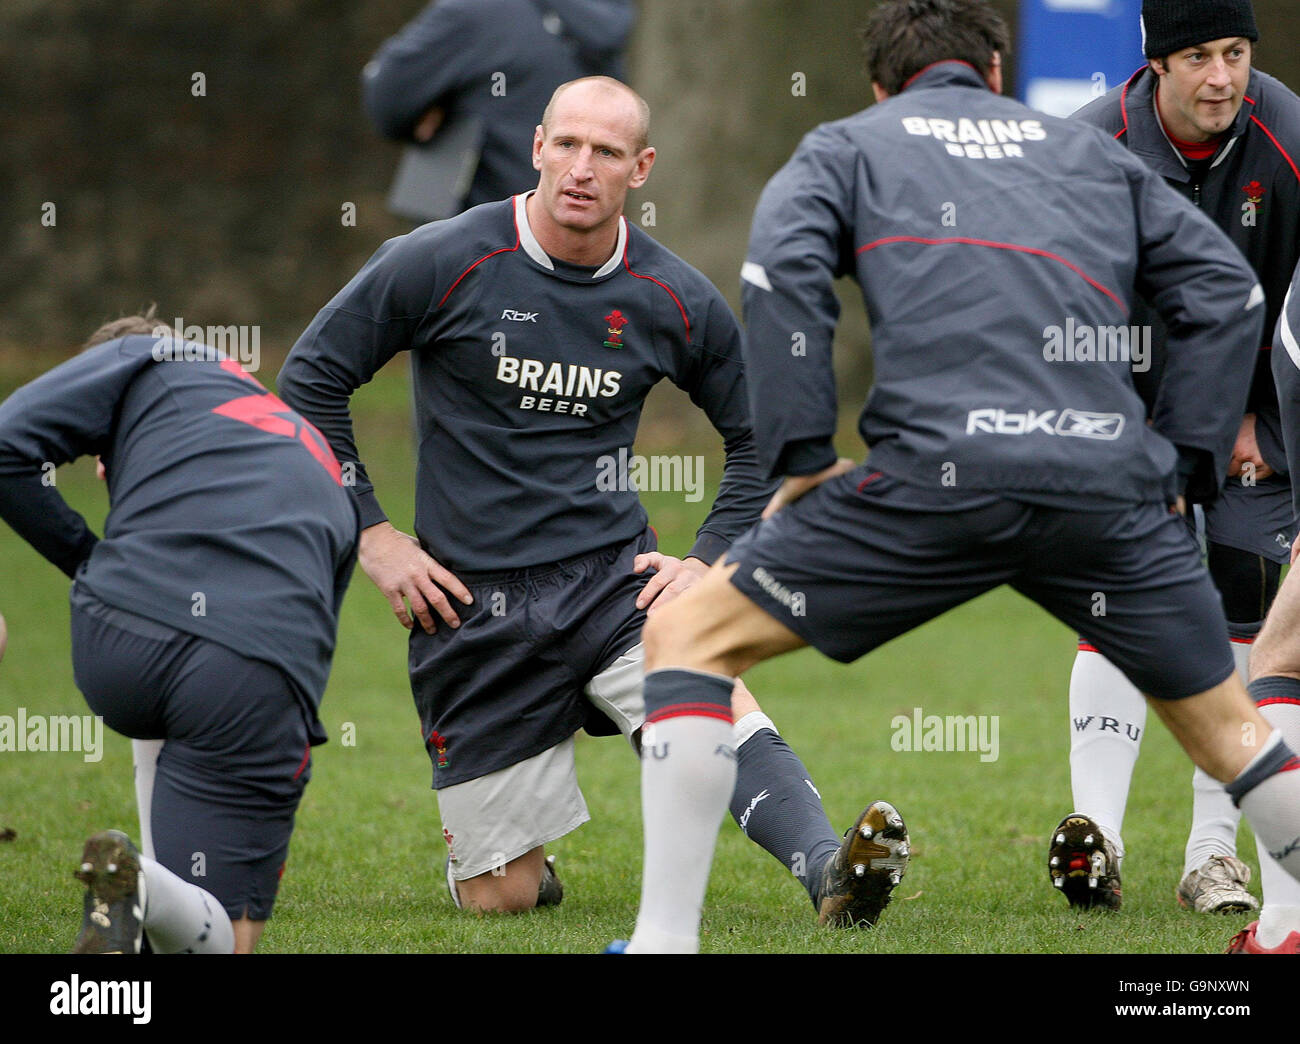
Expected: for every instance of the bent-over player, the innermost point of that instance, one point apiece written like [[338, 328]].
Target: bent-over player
[[205, 617]]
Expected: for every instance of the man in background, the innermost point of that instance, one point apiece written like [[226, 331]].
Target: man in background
[[481, 72]]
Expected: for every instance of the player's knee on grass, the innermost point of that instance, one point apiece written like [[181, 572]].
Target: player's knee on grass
[[509, 889]]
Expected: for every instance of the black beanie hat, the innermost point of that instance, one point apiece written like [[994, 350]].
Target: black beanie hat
[[1171, 25]]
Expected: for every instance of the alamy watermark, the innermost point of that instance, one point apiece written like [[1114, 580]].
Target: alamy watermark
[[656, 474], [952, 732], [1083, 343], [181, 343], [41, 733]]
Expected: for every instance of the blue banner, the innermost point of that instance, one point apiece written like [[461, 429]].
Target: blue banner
[[1072, 51]]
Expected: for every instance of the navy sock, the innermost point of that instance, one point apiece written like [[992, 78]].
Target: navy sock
[[778, 809]]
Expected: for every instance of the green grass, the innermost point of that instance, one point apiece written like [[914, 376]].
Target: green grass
[[365, 868]]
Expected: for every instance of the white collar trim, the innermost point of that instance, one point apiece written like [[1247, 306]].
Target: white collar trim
[[534, 249]]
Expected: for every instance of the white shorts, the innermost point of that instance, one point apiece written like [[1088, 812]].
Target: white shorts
[[489, 821]]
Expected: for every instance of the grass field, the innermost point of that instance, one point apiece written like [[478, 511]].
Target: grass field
[[365, 868]]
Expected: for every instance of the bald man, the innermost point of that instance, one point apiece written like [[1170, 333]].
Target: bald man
[[537, 326]]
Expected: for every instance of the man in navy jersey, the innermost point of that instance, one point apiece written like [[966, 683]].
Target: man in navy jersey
[[205, 617], [1225, 136], [537, 326]]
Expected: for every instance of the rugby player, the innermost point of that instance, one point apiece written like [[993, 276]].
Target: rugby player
[[1275, 662], [537, 325], [993, 459], [205, 617], [1225, 136]]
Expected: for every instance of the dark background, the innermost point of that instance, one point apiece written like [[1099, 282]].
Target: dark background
[[226, 209]]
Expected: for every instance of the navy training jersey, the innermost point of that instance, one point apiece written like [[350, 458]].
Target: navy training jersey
[[999, 252], [228, 519], [530, 375]]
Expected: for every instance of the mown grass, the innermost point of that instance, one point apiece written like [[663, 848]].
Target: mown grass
[[365, 870]]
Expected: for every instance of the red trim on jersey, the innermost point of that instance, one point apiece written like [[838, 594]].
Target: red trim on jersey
[[1276, 144], [1242, 641], [1291, 764], [1123, 101], [306, 757], [869, 479], [657, 283], [1086, 647], [943, 61], [504, 250], [690, 710], [1273, 700], [963, 241]]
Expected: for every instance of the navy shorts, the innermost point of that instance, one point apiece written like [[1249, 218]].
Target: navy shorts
[[508, 683], [864, 558], [236, 756], [1258, 519]]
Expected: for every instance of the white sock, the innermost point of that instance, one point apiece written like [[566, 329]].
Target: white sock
[[181, 917], [1214, 817], [688, 773], [1107, 718], [144, 756], [1214, 822], [1276, 922], [1281, 913], [1272, 806]]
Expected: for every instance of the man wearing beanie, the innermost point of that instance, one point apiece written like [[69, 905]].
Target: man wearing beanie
[[1226, 136]]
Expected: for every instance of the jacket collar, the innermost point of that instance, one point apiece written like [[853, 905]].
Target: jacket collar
[[1147, 138], [949, 73]]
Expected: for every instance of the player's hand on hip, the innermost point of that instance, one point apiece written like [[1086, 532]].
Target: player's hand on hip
[[404, 572], [795, 486], [672, 577], [1246, 457]]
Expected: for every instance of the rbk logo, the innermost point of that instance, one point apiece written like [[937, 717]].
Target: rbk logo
[[1077, 424], [519, 317], [760, 796]]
